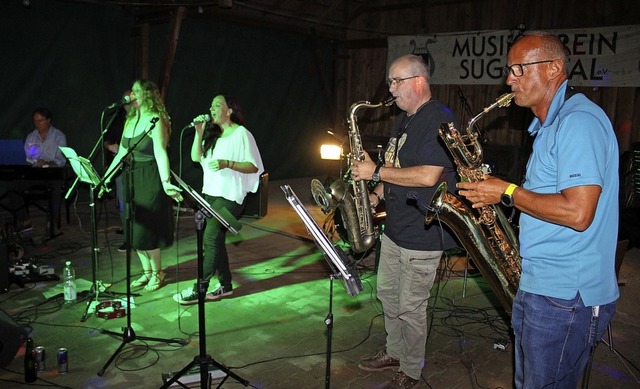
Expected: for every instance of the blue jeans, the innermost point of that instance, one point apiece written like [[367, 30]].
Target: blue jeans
[[216, 259], [553, 339]]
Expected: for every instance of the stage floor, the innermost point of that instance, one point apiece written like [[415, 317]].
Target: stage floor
[[271, 332]]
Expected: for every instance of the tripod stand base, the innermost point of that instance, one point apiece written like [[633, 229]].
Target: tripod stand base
[[190, 374], [204, 370], [128, 335]]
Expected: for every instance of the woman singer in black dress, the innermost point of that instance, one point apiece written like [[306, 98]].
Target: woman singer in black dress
[[147, 181]]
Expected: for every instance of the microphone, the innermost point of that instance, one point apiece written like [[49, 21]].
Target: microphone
[[123, 101], [205, 118]]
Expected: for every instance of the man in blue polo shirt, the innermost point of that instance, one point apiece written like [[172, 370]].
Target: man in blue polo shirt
[[569, 221]]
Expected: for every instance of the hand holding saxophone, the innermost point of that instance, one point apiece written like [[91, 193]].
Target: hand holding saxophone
[[483, 193], [362, 170]]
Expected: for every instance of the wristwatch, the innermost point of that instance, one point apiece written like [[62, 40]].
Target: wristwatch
[[507, 197], [375, 177]]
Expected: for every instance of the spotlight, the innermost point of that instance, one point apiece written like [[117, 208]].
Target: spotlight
[[330, 152], [26, 3]]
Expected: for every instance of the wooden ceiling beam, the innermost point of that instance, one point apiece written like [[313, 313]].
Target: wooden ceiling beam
[[172, 47]]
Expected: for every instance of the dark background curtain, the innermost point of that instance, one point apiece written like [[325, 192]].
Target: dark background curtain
[[76, 59]]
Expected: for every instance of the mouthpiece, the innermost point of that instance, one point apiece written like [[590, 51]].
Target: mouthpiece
[[505, 99], [388, 101]]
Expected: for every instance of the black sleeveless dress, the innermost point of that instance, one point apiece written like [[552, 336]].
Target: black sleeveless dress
[[151, 209]]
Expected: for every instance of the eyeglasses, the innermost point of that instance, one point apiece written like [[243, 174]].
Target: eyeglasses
[[517, 69], [397, 81]]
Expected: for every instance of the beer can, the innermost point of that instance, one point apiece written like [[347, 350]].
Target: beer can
[[40, 358], [63, 360]]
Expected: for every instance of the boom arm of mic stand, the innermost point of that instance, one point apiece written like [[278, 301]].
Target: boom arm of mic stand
[[107, 177], [90, 157]]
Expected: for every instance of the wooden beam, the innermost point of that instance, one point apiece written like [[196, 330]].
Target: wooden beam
[[172, 45], [142, 52], [375, 43]]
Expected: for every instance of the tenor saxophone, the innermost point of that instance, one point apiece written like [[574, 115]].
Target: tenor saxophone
[[351, 197], [485, 233]]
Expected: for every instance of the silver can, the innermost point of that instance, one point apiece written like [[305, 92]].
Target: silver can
[[40, 358], [63, 360]]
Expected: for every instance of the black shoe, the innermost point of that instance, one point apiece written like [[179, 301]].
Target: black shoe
[[219, 293], [186, 297]]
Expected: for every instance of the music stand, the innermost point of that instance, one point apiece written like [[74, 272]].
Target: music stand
[[204, 360], [86, 173], [337, 260]]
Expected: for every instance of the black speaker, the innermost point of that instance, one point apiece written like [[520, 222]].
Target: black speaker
[[12, 336], [255, 204], [4, 267]]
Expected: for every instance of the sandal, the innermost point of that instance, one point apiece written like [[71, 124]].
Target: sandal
[[157, 278], [143, 280]]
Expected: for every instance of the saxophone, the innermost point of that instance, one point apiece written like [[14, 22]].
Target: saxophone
[[485, 233], [351, 197]]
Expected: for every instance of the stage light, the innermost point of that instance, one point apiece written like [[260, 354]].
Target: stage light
[[332, 152]]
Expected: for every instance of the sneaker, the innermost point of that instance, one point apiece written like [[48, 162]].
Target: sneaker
[[186, 297], [122, 248], [399, 380], [219, 293], [379, 361]]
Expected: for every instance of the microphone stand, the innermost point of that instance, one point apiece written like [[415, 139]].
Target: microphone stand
[[466, 107], [204, 360], [129, 334], [90, 157]]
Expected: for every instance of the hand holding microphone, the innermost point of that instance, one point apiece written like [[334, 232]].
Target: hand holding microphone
[[200, 119]]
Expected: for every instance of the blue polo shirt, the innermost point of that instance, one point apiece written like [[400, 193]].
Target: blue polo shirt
[[575, 146]]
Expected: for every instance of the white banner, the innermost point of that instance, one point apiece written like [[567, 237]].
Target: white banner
[[602, 56]]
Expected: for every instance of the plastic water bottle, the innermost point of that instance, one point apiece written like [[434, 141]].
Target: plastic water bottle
[[69, 277]]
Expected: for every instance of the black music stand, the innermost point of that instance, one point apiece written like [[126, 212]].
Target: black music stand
[[204, 360], [337, 260], [87, 174]]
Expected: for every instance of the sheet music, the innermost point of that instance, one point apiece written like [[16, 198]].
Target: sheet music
[[227, 220], [81, 166], [335, 257]]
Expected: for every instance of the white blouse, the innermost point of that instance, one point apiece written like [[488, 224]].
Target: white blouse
[[240, 146]]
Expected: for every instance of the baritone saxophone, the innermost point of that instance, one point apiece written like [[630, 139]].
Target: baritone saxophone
[[485, 233]]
